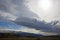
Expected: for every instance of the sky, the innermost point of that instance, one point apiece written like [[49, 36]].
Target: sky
[[41, 16], [47, 10]]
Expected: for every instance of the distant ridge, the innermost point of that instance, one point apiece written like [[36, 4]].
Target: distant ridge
[[12, 28]]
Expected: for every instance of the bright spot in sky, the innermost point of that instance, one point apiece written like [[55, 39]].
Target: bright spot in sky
[[47, 10], [44, 4]]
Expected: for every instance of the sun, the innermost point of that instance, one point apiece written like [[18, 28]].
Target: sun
[[43, 8], [44, 4]]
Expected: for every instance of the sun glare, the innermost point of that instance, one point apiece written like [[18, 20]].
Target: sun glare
[[43, 8], [44, 4]]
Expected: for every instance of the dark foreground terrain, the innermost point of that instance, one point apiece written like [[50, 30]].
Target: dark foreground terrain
[[8, 36]]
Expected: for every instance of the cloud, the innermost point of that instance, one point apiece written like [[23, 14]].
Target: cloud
[[16, 8], [7, 16], [18, 12], [48, 15], [39, 25]]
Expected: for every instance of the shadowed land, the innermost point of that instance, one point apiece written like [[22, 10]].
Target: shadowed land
[[12, 36]]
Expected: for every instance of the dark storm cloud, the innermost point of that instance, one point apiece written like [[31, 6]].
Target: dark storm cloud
[[39, 25]]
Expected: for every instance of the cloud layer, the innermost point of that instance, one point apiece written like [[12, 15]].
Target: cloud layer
[[18, 12], [15, 8]]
